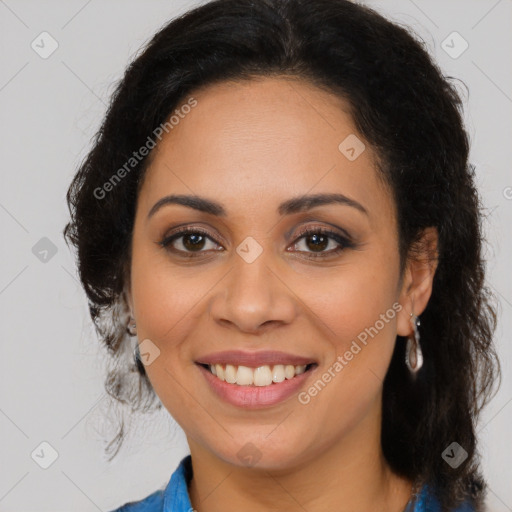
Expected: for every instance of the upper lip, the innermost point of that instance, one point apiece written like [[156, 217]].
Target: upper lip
[[253, 359]]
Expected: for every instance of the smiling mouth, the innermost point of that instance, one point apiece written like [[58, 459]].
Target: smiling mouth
[[261, 376]]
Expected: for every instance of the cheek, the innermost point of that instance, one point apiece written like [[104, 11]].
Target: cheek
[[360, 311], [166, 297], [167, 305], [167, 302], [357, 300]]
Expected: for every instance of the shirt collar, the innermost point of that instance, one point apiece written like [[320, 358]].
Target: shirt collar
[[176, 497]]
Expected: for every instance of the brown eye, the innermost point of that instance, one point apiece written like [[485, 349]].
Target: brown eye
[[193, 241], [318, 240], [189, 241]]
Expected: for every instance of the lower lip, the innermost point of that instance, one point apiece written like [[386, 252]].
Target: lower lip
[[255, 397]]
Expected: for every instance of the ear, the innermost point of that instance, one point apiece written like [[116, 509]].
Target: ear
[[127, 293], [128, 299], [418, 279]]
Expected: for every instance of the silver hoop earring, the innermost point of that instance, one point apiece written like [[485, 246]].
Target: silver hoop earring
[[132, 328], [413, 353]]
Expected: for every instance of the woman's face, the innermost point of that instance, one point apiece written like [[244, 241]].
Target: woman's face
[[248, 280]]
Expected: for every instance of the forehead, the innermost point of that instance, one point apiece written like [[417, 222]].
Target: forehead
[[265, 140]]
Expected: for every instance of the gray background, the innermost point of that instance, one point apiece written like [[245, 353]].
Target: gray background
[[51, 367]]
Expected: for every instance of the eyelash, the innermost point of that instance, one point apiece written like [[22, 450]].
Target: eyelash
[[344, 242]]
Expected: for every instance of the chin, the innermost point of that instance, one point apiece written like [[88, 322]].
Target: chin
[[259, 452]]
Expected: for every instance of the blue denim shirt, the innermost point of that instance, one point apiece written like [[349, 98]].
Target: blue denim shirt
[[175, 498]]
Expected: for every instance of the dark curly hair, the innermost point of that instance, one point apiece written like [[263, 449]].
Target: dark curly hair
[[411, 115]]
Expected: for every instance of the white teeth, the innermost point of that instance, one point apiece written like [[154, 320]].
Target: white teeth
[[219, 371], [289, 371], [300, 369], [261, 376], [230, 374], [278, 373], [244, 376]]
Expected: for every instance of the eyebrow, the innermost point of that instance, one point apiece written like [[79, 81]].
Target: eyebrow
[[289, 207]]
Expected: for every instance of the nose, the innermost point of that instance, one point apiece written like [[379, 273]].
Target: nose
[[253, 297]]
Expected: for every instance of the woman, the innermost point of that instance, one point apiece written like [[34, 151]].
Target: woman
[[279, 210]]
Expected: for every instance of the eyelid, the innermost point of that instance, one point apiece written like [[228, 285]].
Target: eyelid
[[179, 232], [184, 229], [331, 230], [343, 239]]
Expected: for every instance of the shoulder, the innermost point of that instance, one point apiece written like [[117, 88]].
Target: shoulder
[[428, 502], [152, 503], [173, 498]]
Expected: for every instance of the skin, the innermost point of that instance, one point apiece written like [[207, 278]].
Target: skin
[[250, 146]]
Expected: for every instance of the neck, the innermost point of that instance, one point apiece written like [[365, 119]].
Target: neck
[[351, 474]]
